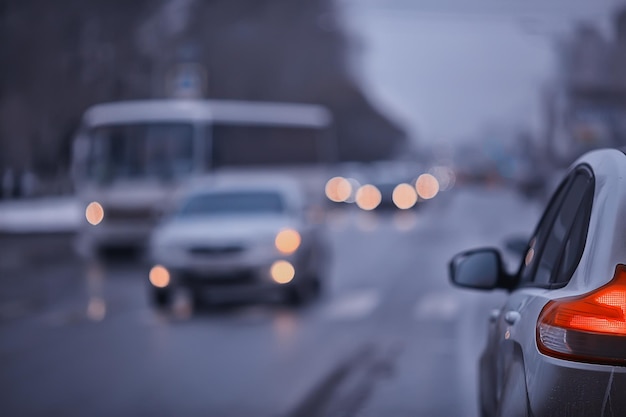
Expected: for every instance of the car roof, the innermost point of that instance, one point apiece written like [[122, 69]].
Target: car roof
[[225, 111]]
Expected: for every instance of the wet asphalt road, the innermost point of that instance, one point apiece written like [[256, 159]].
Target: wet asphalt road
[[389, 336]]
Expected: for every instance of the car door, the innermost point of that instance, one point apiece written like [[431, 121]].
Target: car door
[[553, 254]]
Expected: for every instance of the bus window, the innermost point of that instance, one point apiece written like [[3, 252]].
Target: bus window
[[136, 151], [261, 145]]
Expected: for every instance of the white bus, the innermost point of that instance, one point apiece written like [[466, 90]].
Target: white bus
[[132, 158]]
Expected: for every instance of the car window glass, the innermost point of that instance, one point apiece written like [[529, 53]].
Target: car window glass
[[537, 241], [233, 203], [575, 244], [555, 240]]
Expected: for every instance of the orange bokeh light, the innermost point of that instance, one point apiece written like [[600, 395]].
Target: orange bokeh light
[[94, 213], [282, 272], [338, 189], [368, 197], [404, 196], [427, 186], [159, 276], [287, 241]]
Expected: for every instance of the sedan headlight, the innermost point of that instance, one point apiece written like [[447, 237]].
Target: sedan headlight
[[282, 272], [287, 241], [159, 276]]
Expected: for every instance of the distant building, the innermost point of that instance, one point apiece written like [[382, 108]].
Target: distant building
[[587, 110]]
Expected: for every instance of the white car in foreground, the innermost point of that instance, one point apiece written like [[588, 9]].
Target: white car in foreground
[[235, 238], [557, 346]]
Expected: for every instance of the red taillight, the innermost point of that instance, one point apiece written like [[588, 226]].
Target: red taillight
[[587, 328]]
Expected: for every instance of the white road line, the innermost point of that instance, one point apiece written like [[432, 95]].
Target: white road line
[[444, 306], [353, 306]]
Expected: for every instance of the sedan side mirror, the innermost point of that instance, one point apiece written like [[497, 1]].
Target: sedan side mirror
[[479, 269]]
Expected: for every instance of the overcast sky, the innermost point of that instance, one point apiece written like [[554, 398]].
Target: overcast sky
[[447, 71]]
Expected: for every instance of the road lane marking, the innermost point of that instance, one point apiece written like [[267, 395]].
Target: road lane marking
[[353, 306], [443, 306]]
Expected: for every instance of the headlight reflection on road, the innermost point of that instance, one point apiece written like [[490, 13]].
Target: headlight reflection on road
[[96, 309], [287, 241], [159, 276], [94, 213], [285, 326], [404, 221], [282, 272], [367, 221]]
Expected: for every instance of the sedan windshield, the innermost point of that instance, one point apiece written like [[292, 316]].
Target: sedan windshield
[[233, 203], [140, 151]]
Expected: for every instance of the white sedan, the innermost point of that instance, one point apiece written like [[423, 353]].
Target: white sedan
[[236, 238]]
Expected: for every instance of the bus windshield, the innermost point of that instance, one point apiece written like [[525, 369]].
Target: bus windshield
[[141, 150]]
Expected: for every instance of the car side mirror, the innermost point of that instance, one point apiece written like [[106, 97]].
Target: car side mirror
[[479, 269]]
